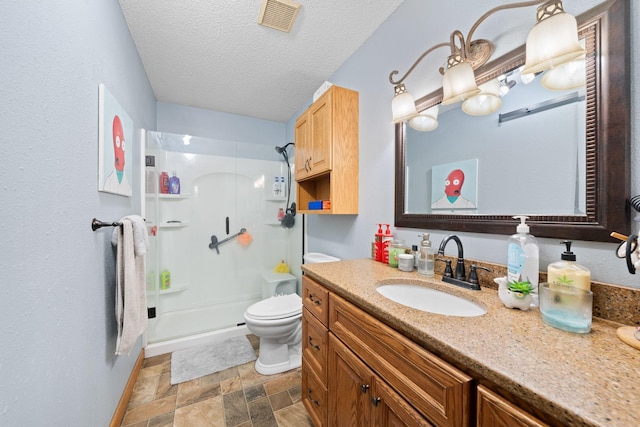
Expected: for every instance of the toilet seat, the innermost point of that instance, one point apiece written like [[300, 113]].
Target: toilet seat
[[278, 307]]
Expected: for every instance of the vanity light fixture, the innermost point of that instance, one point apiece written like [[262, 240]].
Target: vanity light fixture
[[485, 102], [552, 42], [425, 120], [571, 75]]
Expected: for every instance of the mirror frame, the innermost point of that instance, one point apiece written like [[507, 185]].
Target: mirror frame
[[608, 141]]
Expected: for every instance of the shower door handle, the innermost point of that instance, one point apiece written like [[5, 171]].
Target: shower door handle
[[227, 224]]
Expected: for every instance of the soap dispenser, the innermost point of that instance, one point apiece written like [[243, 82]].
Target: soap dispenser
[[426, 257], [523, 257], [567, 272], [566, 302]]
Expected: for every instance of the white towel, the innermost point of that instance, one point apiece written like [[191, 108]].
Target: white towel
[[140, 234], [131, 298]]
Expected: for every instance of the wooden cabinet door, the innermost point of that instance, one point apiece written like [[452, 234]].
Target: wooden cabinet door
[[350, 382], [321, 134], [495, 411], [391, 410], [314, 344], [440, 392], [302, 138], [314, 395]]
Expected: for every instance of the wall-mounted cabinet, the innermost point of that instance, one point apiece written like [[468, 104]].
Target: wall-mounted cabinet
[[327, 144]]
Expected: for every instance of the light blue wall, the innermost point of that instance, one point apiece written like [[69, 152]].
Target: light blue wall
[[182, 119], [411, 29], [57, 363]]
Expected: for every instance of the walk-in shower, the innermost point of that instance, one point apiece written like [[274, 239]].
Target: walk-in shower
[[199, 286]]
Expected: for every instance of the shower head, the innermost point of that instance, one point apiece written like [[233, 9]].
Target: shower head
[[283, 149]]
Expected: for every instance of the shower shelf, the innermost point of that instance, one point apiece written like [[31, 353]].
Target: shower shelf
[[180, 224], [174, 289], [174, 196], [168, 196]]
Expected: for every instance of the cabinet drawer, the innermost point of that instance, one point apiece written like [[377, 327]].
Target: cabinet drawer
[[436, 389], [314, 395], [493, 410], [315, 298], [314, 344]]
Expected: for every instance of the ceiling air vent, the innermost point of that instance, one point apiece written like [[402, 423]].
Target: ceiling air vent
[[278, 14]]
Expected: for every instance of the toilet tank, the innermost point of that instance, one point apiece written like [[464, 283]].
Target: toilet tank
[[318, 257], [278, 284]]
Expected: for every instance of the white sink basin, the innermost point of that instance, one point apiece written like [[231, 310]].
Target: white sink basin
[[431, 300]]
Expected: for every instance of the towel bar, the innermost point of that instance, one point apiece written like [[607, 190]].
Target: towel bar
[[95, 224]]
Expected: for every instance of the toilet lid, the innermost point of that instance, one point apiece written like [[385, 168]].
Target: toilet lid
[[277, 307]]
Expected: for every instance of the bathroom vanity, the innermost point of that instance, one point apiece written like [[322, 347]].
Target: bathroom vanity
[[370, 361]]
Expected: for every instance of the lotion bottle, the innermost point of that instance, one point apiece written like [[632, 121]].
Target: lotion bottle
[[567, 272], [523, 258]]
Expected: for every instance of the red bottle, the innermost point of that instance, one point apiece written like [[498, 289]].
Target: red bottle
[[164, 183]]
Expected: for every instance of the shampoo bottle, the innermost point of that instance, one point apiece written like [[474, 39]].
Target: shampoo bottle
[[523, 257], [174, 184], [276, 188], [567, 272], [283, 188], [426, 258], [165, 280], [164, 183]]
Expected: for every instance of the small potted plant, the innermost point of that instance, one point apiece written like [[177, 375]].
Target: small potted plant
[[516, 295]]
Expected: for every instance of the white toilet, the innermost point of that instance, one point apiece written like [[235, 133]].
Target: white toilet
[[277, 321]]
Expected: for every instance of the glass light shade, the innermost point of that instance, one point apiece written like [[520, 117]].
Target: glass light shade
[[425, 120], [458, 83], [486, 102], [552, 42], [403, 107], [571, 75]]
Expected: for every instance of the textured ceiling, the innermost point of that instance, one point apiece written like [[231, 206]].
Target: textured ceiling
[[212, 54]]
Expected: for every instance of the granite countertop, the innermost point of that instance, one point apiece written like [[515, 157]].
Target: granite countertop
[[580, 379]]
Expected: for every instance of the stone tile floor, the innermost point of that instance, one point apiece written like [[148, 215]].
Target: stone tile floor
[[237, 396]]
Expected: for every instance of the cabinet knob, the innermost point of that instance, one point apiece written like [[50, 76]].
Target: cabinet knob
[[364, 388], [315, 402], [317, 347], [375, 401], [315, 301]]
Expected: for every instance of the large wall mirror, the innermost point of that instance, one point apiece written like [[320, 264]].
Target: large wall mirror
[[562, 158]]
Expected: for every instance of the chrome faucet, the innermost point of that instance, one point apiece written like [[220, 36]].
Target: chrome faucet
[[460, 273]]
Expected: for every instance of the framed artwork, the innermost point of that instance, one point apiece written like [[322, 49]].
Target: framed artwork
[[455, 185], [115, 137]]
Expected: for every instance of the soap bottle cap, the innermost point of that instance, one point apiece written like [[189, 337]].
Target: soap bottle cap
[[568, 255], [425, 241], [522, 227]]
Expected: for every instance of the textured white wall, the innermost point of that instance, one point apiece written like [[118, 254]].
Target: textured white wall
[[412, 28], [57, 363]]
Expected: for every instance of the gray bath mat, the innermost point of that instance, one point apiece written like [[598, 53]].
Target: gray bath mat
[[196, 362]]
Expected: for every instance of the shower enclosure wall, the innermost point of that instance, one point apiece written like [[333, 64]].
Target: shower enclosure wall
[[224, 187]]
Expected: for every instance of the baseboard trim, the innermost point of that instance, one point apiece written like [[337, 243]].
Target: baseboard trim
[[118, 416]]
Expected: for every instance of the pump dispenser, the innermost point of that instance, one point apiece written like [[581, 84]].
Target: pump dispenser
[[426, 257], [567, 272], [523, 257]]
